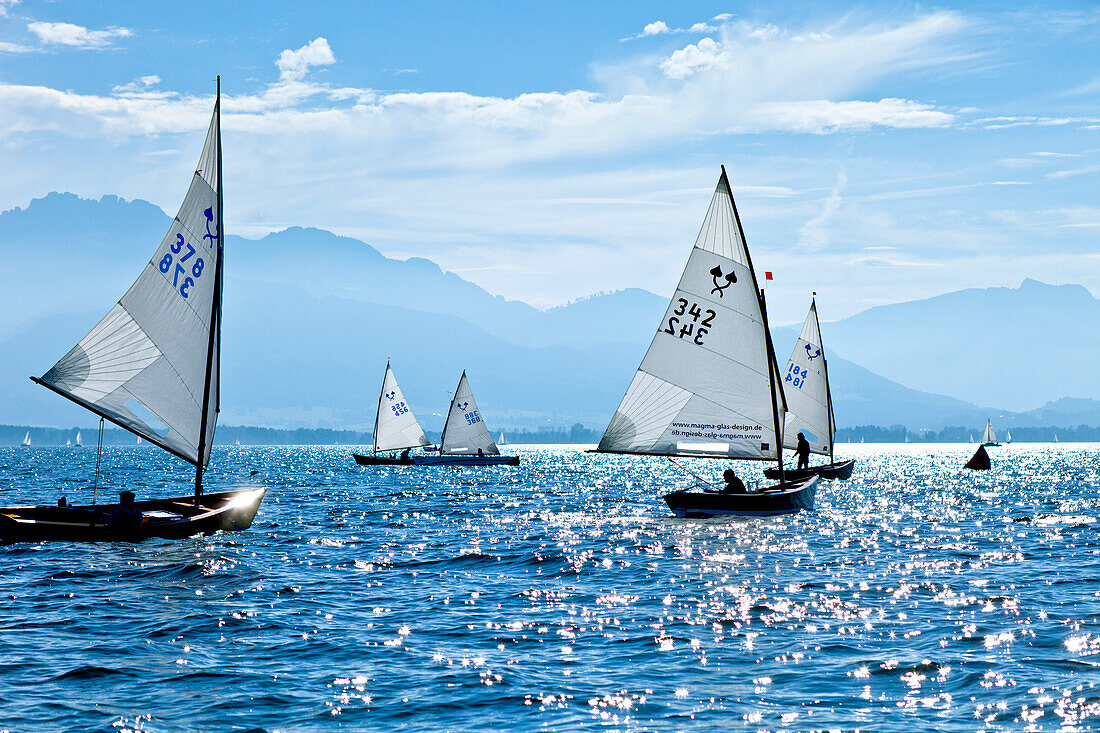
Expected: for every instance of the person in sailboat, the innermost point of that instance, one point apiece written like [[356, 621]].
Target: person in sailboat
[[480, 453], [803, 451], [405, 454], [127, 514], [734, 485]]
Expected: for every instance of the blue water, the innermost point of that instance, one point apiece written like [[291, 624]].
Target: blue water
[[561, 595]]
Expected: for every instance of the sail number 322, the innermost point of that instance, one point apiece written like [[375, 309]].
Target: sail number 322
[[183, 276], [695, 329]]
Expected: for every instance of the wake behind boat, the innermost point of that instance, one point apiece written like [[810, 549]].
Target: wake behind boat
[[708, 385], [156, 351]]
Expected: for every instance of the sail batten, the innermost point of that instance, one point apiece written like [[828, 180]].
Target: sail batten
[[465, 432], [707, 377], [395, 426], [154, 346], [806, 387]]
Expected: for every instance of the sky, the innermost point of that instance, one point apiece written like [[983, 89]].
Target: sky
[[878, 152]]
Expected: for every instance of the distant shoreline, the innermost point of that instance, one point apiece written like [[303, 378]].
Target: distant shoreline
[[230, 435]]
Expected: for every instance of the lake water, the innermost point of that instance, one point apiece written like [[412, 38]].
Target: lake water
[[562, 595]]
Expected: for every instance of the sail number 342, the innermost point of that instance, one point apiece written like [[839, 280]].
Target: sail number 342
[[183, 276], [695, 329]]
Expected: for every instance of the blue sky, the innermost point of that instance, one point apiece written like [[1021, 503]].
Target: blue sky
[[879, 152]]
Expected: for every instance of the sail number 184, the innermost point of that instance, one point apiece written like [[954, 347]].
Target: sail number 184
[[695, 329]]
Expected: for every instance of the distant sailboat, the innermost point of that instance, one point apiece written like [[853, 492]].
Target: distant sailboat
[[1008, 436], [989, 438], [972, 437], [906, 438], [157, 349], [502, 441], [27, 439], [465, 440], [709, 385], [68, 443], [395, 426], [810, 404], [1055, 438], [79, 442]]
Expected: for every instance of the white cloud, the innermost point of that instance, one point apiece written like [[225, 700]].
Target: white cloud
[[293, 65], [655, 28], [661, 28], [6, 5], [6, 47], [76, 36], [692, 58], [814, 235]]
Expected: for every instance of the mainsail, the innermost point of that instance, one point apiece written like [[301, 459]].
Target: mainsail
[[395, 427], [79, 440], [707, 385], [27, 438], [989, 436], [156, 351], [464, 431], [806, 387]]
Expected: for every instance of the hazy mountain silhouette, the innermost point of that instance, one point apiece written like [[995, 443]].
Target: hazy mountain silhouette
[[311, 318]]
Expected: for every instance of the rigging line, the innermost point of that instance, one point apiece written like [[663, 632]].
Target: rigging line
[[98, 459], [690, 473]]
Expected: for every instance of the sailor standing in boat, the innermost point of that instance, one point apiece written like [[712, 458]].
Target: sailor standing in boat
[[803, 451]]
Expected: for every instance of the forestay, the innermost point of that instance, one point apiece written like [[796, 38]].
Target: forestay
[[396, 426], [151, 350], [703, 386], [465, 432], [806, 387]]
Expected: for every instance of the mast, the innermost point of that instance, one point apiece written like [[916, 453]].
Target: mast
[[772, 366], [215, 310], [771, 378], [381, 392]]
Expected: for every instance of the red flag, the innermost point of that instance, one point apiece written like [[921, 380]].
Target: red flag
[[767, 276]]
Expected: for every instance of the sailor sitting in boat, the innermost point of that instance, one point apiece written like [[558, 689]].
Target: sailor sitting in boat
[[803, 451], [405, 454], [127, 514], [734, 485]]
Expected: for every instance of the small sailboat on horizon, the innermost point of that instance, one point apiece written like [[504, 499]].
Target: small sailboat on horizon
[[989, 438], [810, 405], [708, 386], [156, 352], [26, 439], [465, 440], [395, 427], [79, 441]]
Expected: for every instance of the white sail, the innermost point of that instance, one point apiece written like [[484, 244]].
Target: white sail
[[1008, 436], [704, 385], [806, 387], [464, 431], [68, 442], [501, 441], [395, 427], [989, 436], [27, 438], [153, 351], [79, 441]]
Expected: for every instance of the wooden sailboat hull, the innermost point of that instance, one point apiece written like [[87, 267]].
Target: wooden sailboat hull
[[380, 460], [453, 460], [172, 518], [786, 498], [836, 472]]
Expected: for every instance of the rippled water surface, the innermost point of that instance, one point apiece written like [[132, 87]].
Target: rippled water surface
[[562, 595]]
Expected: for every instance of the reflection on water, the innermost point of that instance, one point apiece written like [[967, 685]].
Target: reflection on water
[[560, 594]]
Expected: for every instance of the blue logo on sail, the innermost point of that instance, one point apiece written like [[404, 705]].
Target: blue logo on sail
[[810, 356], [209, 220]]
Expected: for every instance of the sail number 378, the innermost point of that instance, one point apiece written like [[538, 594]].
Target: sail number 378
[[695, 329], [183, 276]]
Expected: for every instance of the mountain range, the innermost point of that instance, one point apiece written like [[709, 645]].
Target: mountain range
[[311, 317]]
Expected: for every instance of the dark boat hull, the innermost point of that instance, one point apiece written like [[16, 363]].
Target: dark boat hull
[[836, 472], [770, 502], [979, 461], [380, 460], [172, 518], [465, 460]]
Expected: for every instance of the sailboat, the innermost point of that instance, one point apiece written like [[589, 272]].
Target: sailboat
[[68, 443], [502, 441], [465, 441], [810, 404], [26, 439], [708, 385], [1008, 436], [989, 438], [79, 442], [157, 351], [395, 426], [1055, 439]]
